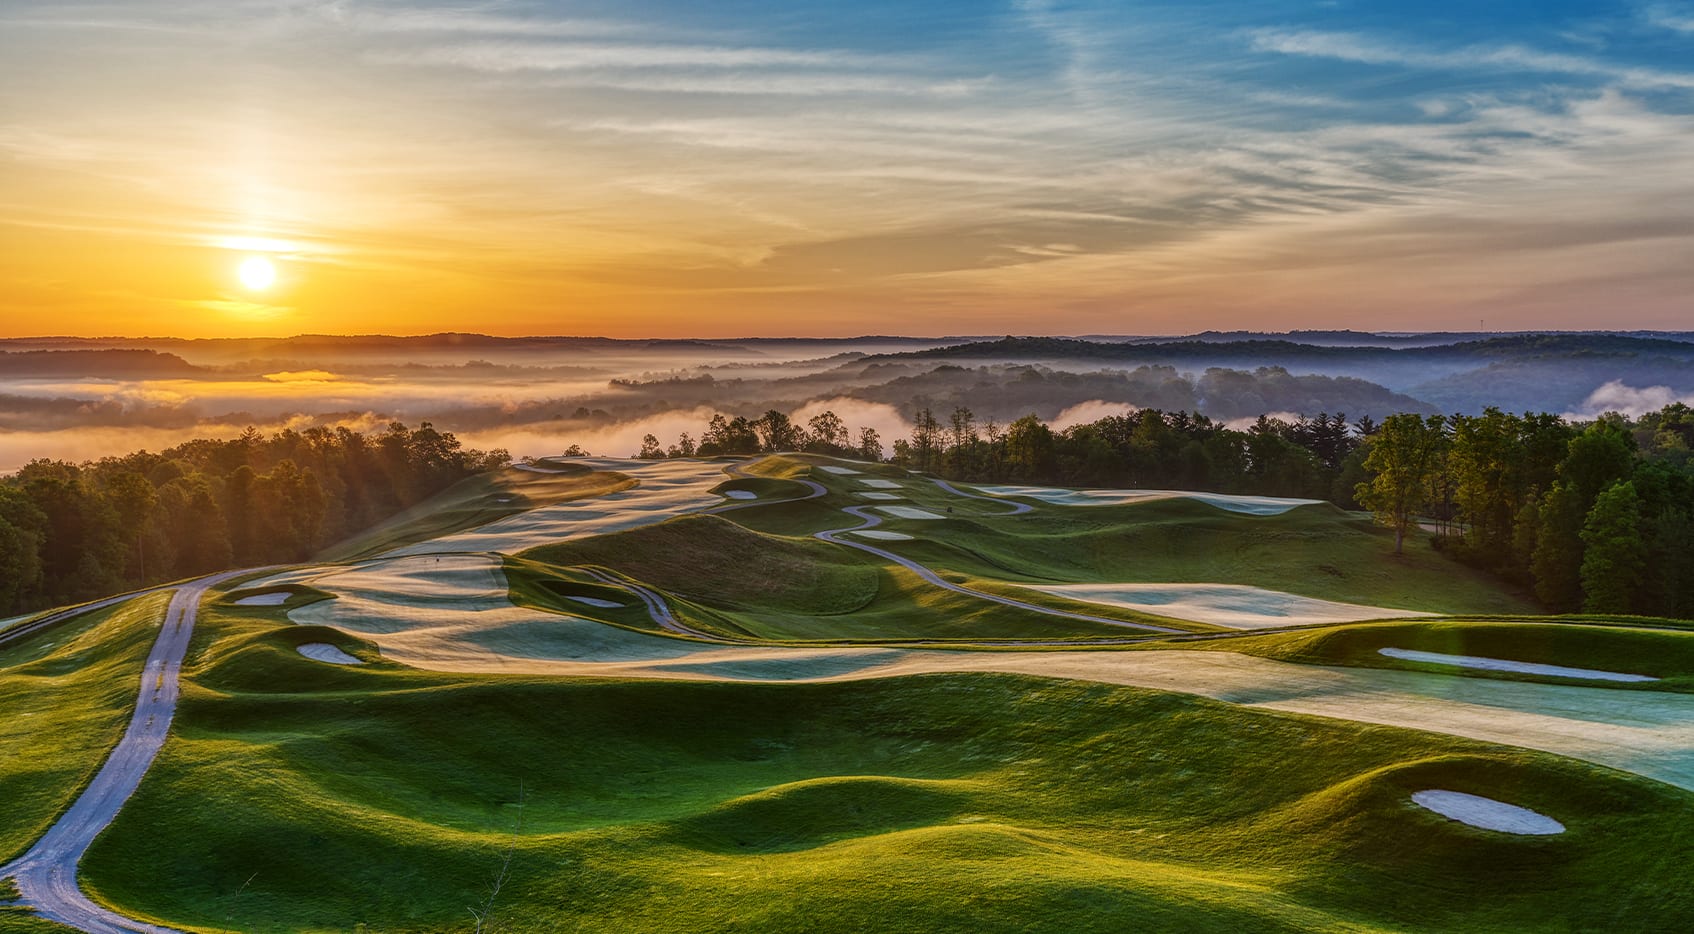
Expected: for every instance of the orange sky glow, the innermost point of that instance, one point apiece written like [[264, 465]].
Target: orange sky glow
[[522, 169]]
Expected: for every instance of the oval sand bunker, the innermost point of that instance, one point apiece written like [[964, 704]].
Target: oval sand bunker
[[740, 494], [1487, 813], [324, 652]]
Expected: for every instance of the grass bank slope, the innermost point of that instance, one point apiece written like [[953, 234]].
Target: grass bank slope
[[956, 802], [723, 577], [65, 696], [477, 501], [1316, 551], [1665, 654]]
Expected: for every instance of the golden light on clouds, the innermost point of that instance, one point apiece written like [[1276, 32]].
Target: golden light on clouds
[[530, 168]]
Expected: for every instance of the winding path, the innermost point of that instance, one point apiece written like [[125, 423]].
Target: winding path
[[739, 470], [870, 521], [656, 606], [46, 873], [1017, 507]]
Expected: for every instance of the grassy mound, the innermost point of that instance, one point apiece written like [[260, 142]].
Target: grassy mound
[[477, 501], [65, 698], [725, 578], [714, 561], [1659, 653], [1316, 551], [958, 802]]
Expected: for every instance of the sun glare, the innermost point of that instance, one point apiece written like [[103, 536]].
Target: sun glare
[[257, 273]]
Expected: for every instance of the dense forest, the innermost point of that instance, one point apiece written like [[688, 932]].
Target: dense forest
[[71, 532], [1595, 517]]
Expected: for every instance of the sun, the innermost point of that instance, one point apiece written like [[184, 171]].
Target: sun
[[257, 273]]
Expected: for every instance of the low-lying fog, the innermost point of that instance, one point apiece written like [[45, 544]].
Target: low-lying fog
[[84, 399]]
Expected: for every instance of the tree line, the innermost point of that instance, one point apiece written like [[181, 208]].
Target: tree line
[[70, 532], [1595, 517]]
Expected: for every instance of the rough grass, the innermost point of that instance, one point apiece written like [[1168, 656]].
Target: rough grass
[[1660, 653], [957, 802], [65, 698], [477, 501]]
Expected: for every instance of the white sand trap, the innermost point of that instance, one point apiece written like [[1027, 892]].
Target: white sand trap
[[883, 535], [1487, 813], [454, 613], [740, 494], [880, 484], [881, 496], [596, 601], [844, 471], [1501, 664], [274, 598], [909, 512], [1252, 505], [665, 489], [324, 652], [1235, 606]]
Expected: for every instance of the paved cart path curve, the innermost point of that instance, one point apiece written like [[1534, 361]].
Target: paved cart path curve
[[46, 875]]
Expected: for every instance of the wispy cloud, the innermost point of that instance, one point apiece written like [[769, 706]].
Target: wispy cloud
[[1353, 47], [1677, 17], [514, 55]]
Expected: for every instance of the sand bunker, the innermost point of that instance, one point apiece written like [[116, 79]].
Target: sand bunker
[[740, 494], [881, 496], [880, 484], [838, 470], [909, 512], [883, 535], [596, 601], [274, 598], [324, 652], [1501, 664], [1487, 813], [1252, 505], [1234, 606], [666, 489]]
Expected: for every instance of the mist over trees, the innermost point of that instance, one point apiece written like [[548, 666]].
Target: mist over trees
[[70, 532]]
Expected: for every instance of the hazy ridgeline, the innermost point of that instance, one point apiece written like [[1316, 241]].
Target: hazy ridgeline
[[77, 399]]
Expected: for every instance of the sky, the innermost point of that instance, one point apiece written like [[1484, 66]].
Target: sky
[[674, 168]]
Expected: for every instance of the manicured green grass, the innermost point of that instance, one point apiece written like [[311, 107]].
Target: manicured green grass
[[936, 803], [1316, 551], [713, 560], [1662, 653], [765, 488], [477, 501], [722, 577], [65, 697], [546, 587]]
